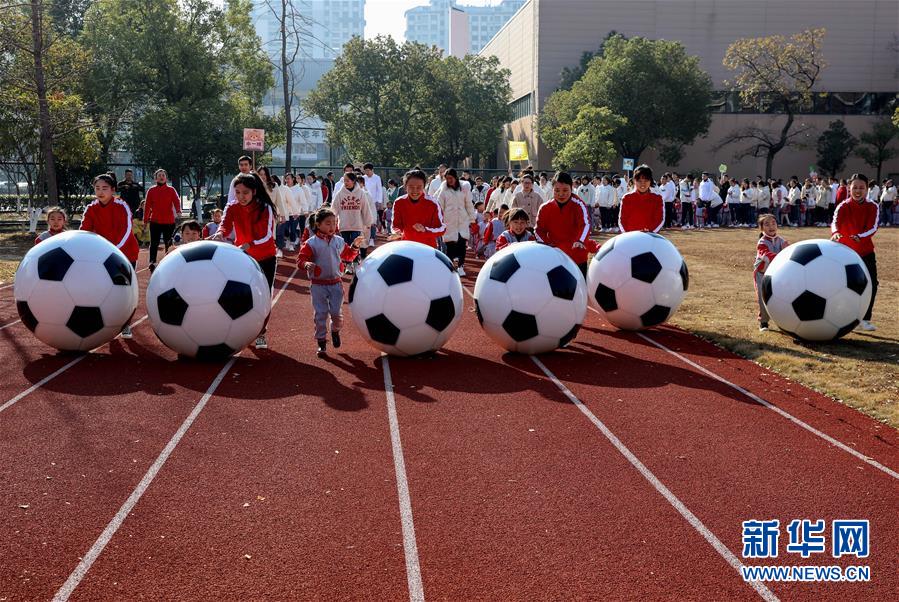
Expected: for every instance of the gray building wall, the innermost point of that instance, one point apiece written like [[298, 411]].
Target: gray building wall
[[856, 48]]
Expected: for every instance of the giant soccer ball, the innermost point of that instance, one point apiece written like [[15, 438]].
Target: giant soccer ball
[[406, 298], [530, 298], [208, 300], [817, 289], [75, 291], [637, 280]]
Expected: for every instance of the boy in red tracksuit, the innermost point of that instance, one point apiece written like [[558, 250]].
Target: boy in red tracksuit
[[416, 216], [563, 222], [641, 210], [110, 217], [855, 224], [252, 219], [161, 210]]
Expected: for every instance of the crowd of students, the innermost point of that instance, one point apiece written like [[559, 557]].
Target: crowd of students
[[331, 224]]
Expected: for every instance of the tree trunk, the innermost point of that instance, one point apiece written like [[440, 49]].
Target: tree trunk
[[285, 86], [37, 39], [879, 167], [769, 163]]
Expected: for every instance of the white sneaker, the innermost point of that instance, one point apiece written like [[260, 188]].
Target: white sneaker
[[460, 271], [279, 254], [126, 332], [261, 343], [865, 325], [683, 227]]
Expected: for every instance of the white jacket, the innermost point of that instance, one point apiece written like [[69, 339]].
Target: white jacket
[[353, 209], [606, 196], [458, 212]]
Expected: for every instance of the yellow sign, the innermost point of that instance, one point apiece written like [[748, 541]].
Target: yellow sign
[[518, 151]]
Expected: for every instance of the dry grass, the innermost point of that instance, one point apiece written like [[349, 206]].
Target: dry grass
[[12, 247], [860, 370]]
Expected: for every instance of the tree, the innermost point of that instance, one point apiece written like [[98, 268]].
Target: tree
[[570, 75], [774, 75], [659, 94], [834, 145], [578, 134], [42, 121], [188, 77], [472, 95], [874, 144], [405, 104]]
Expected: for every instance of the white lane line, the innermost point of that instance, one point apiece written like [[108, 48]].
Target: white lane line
[[798, 422], [50, 377], [88, 559], [410, 547], [678, 505], [5, 326], [871, 461]]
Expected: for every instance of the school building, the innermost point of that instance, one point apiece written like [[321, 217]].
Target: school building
[[859, 85]]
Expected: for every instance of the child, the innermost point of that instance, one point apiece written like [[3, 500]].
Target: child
[[495, 225], [416, 216], [110, 217], [641, 209], [323, 256], [56, 223], [190, 231], [161, 211], [562, 222], [211, 228], [517, 230], [352, 206], [769, 245], [252, 219], [855, 224]]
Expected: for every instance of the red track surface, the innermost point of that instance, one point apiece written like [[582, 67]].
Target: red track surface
[[284, 486]]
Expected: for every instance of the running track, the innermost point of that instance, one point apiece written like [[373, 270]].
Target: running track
[[619, 468]]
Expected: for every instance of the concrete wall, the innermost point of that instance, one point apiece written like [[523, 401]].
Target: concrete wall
[[856, 48]]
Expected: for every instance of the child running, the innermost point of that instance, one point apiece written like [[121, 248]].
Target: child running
[[517, 230], [110, 217], [641, 209], [562, 222], [323, 257], [252, 219], [56, 223], [416, 216], [854, 224], [769, 245]]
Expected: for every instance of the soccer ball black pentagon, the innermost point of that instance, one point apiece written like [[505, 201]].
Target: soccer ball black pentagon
[[208, 300], [75, 291], [817, 289], [637, 280], [406, 298], [530, 298]]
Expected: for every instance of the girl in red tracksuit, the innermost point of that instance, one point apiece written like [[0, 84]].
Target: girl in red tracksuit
[[110, 217], [641, 210], [252, 218], [563, 222], [416, 216], [855, 224]]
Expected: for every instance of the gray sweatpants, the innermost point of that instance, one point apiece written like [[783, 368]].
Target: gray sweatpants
[[327, 301], [764, 318]]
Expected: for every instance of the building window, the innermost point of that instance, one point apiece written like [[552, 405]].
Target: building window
[[823, 103], [522, 107]]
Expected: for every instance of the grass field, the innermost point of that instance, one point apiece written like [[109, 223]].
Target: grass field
[[861, 370]]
